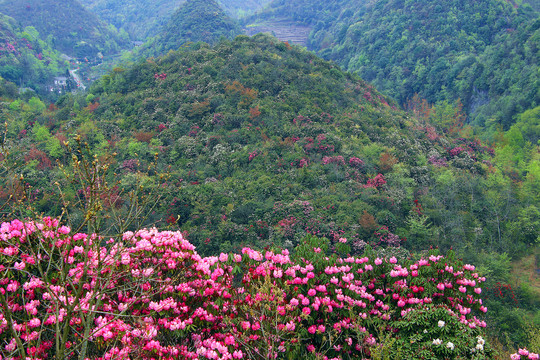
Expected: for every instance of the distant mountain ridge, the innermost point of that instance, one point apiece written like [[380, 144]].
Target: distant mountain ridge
[[143, 19], [73, 29], [197, 20], [139, 18]]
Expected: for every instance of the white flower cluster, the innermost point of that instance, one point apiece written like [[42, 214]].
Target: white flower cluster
[[441, 323], [479, 344]]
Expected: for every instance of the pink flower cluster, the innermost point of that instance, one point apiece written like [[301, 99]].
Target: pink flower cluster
[[456, 151], [526, 353], [339, 160], [356, 162], [252, 155], [376, 182], [149, 295]]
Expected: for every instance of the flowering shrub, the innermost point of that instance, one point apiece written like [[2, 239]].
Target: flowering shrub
[[456, 151], [526, 355], [438, 161], [356, 162], [68, 294], [385, 236], [376, 182], [333, 160], [252, 155], [149, 295]]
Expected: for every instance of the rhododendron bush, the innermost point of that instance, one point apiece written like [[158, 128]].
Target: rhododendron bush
[[150, 295]]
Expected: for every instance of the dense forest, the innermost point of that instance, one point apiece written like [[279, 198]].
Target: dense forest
[[67, 26], [26, 58], [487, 50], [274, 144], [196, 20], [143, 19]]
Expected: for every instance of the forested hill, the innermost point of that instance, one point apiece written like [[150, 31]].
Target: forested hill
[[483, 52], [197, 20], [240, 8], [261, 143], [25, 58], [67, 26], [143, 19]]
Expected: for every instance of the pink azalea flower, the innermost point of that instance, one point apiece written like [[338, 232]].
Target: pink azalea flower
[[440, 287]]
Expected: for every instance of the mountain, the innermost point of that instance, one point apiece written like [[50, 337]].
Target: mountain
[[443, 50], [140, 19], [254, 142], [143, 19], [26, 59], [241, 8], [196, 20], [67, 25]]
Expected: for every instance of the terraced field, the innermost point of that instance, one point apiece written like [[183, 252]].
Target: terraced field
[[284, 30]]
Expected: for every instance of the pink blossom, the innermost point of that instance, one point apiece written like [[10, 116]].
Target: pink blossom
[[290, 326]]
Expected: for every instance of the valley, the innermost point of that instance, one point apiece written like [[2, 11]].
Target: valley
[[208, 179]]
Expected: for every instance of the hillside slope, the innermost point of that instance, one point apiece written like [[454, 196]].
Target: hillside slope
[[261, 143], [140, 19], [143, 19], [484, 53], [25, 58], [197, 20], [282, 120], [73, 30]]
